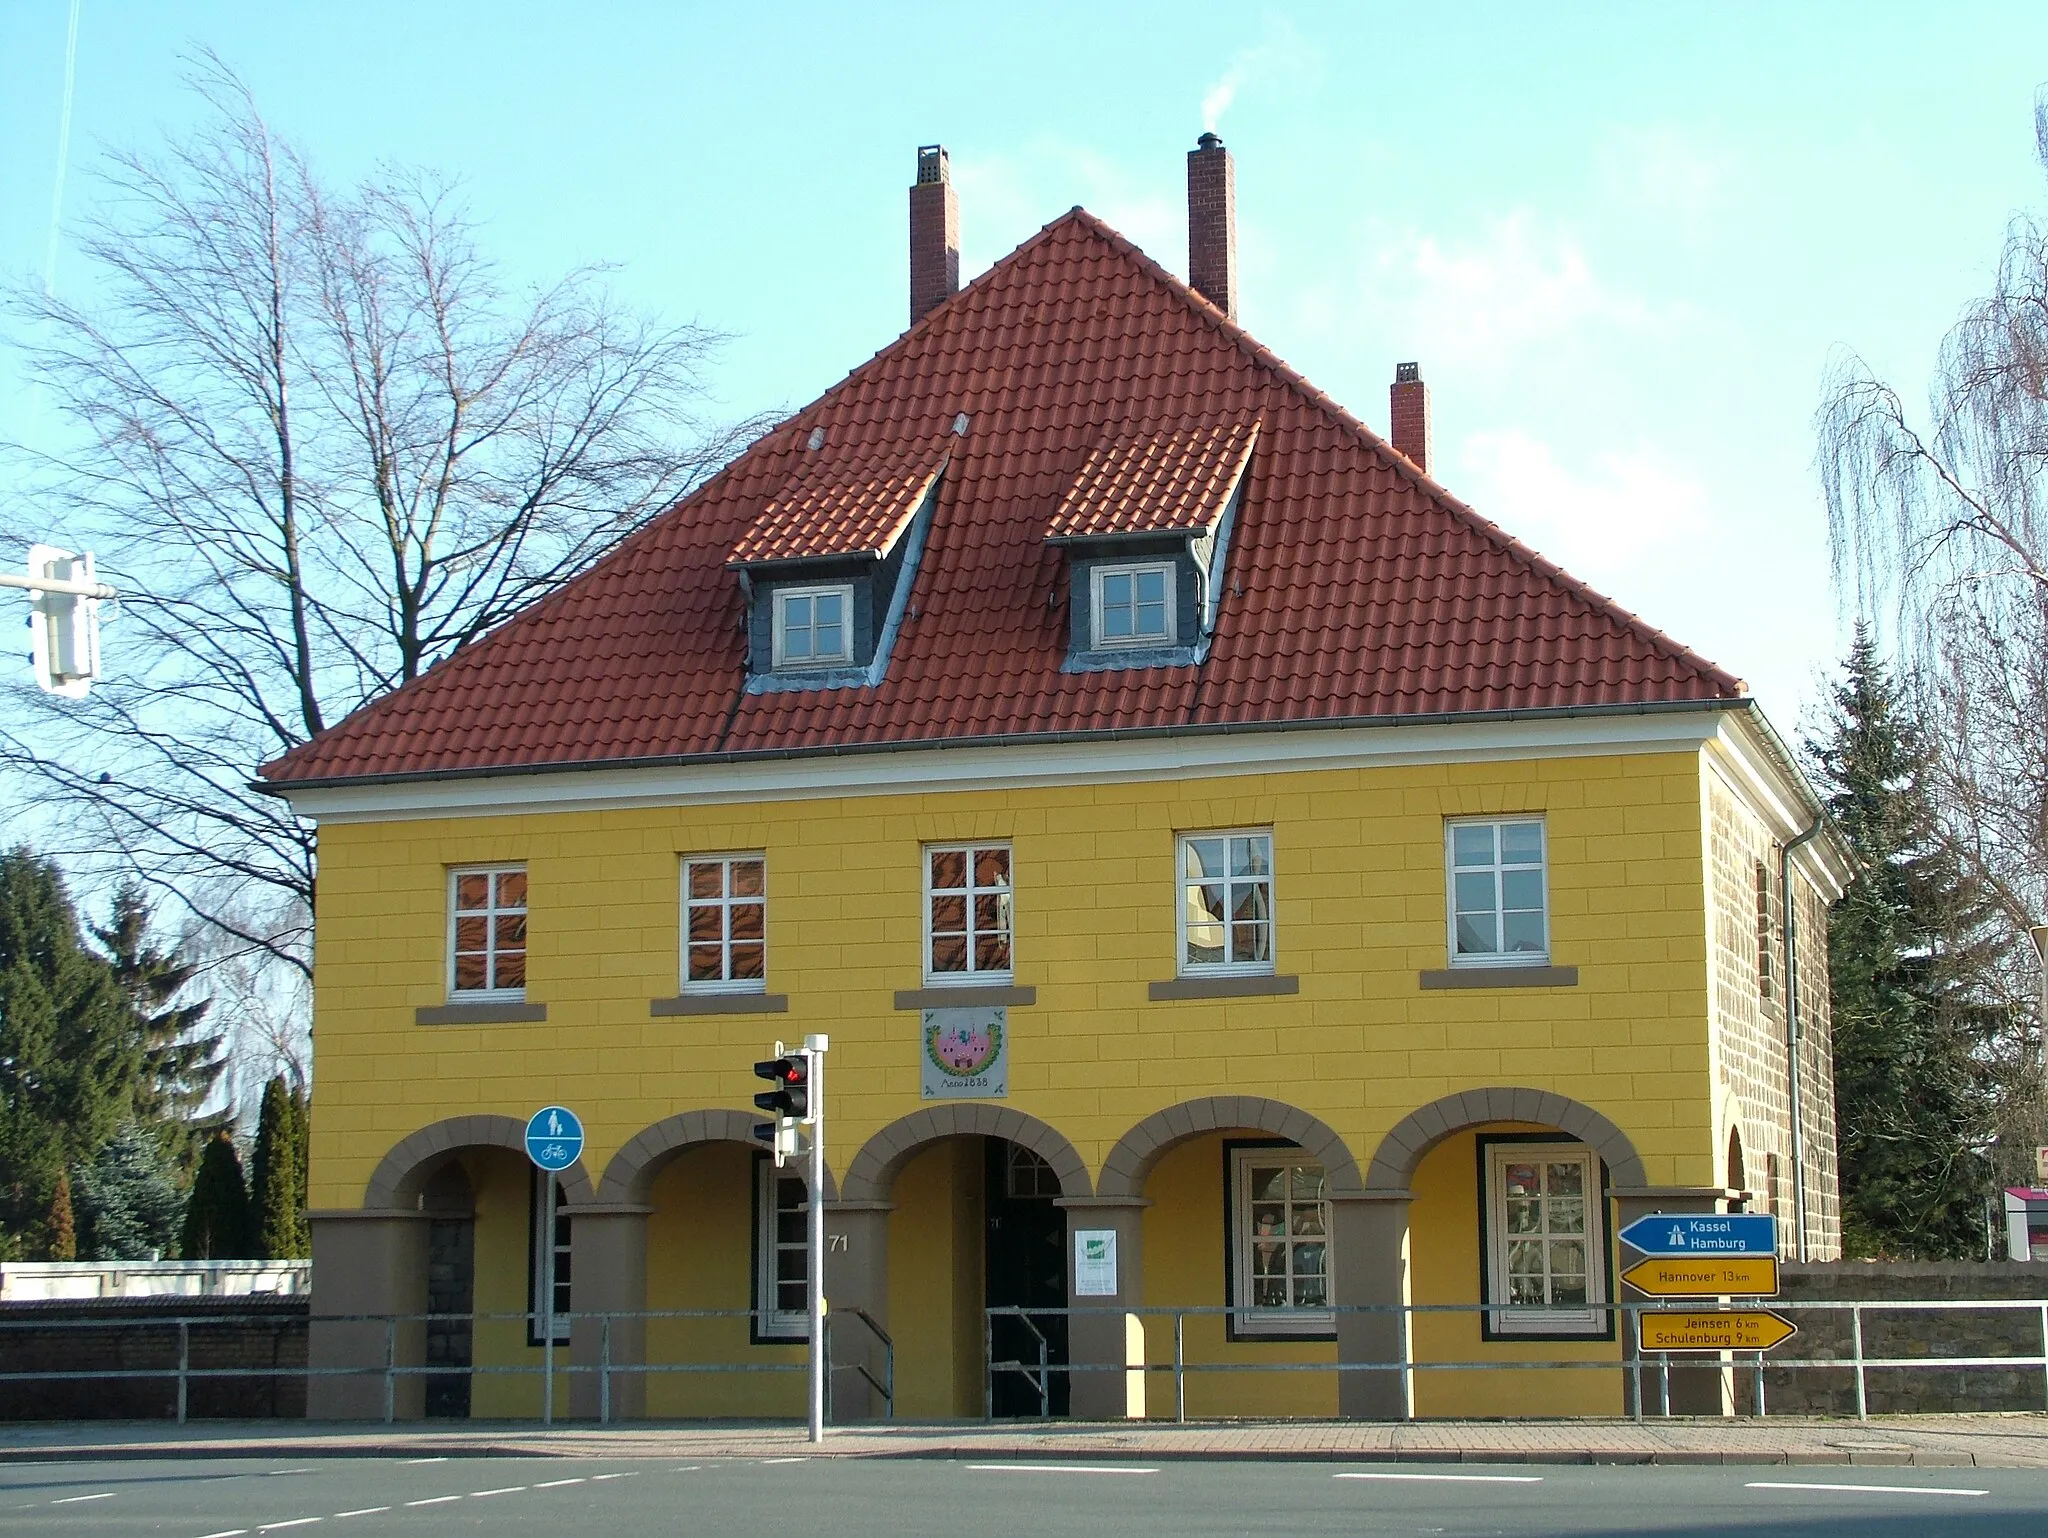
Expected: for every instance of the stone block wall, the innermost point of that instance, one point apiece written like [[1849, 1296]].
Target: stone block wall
[[76, 1336]]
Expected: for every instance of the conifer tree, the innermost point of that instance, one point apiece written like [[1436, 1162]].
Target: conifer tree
[[181, 1062], [134, 1205], [60, 1231], [302, 1134], [279, 1208], [1907, 953], [69, 1050], [217, 1225]]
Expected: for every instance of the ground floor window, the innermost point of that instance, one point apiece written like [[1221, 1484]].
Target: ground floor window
[[1544, 1251], [781, 1254], [1279, 1221], [548, 1203]]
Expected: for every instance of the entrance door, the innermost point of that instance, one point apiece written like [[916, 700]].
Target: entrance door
[[451, 1289], [1025, 1264]]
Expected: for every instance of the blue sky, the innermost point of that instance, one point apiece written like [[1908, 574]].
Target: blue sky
[[1622, 241]]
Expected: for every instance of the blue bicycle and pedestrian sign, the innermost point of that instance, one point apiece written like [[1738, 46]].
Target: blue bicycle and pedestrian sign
[[554, 1138], [1703, 1234]]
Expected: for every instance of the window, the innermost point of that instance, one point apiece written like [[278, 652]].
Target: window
[[725, 923], [781, 1254], [1279, 1243], [967, 913], [1226, 903], [547, 1193], [1134, 605], [1545, 1254], [813, 626], [1763, 931], [487, 932], [1498, 912]]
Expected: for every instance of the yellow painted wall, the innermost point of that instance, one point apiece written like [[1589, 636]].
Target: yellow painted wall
[[1444, 1225], [1185, 1265], [1359, 902], [503, 1183], [936, 1245], [700, 1248]]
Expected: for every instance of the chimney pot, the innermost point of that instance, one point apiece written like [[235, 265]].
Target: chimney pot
[[1408, 413], [1212, 223], [934, 232]]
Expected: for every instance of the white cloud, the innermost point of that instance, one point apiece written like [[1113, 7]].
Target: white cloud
[[1605, 522], [1658, 178]]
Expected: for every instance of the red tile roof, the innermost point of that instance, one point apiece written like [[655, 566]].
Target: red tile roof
[[1163, 480], [852, 501], [1356, 588]]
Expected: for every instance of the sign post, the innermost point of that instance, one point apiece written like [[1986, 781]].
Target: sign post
[[1706, 1255], [554, 1141], [814, 1049]]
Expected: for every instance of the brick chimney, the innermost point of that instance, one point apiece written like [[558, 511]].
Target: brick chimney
[[1408, 398], [1212, 224], [934, 233]]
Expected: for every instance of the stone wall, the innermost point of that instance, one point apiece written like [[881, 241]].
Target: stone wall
[[127, 1334], [1924, 1334]]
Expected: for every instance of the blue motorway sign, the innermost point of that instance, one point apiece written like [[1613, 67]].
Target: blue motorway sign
[[1703, 1234], [554, 1137]]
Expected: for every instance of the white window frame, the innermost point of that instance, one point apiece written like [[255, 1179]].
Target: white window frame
[[972, 976], [773, 1322], [1271, 1321], [843, 591], [1182, 882], [490, 915], [1590, 1320], [725, 982], [1133, 570], [1498, 867], [545, 1184]]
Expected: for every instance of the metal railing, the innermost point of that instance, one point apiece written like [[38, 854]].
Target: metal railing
[[1615, 1322], [390, 1370]]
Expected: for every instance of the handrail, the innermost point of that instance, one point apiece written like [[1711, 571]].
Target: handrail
[[886, 1387]]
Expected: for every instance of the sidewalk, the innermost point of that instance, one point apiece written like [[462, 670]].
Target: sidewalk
[[1980, 1441]]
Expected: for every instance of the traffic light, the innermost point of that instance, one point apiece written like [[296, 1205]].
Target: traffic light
[[791, 1098], [65, 649]]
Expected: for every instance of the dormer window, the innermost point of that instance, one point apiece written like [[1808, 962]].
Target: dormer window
[[1134, 605], [814, 626]]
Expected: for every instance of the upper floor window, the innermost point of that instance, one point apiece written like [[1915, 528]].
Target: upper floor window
[[1544, 1246], [1279, 1244], [1498, 914], [967, 913], [487, 932], [814, 626], [1763, 931], [725, 923], [1226, 903], [1134, 605]]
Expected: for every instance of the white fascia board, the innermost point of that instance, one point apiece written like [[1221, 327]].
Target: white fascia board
[[1742, 753], [1011, 766]]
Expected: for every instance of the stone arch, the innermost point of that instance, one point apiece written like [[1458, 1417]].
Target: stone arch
[[1125, 1171], [1393, 1163], [630, 1175], [873, 1170], [401, 1177]]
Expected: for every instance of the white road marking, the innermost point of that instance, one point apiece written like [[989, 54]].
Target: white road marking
[[1785, 1484], [785, 1460], [631, 1474], [556, 1484], [477, 1495], [273, 1473], [442, 1459], [232, 1532], [1453, 1479], [73, 1500], [273, 1527], [361, 1511], [1054, 1468], [435, 1500], [686, 1468]]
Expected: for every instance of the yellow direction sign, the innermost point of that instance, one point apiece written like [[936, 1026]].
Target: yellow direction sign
[[1756, 1329], [1684, 1276]]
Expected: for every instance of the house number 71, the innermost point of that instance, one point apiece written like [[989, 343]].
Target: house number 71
[[837, 1242]]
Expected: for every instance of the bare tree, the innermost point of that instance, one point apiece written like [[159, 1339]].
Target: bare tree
[[1941, 530], [324, 444]]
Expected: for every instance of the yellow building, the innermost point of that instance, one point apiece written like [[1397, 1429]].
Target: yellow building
[[1234, 878]]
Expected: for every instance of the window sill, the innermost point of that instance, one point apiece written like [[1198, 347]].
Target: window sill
[[480, 1013], [720, 1004], [965, 996], [1266, 985], [1501, 977]]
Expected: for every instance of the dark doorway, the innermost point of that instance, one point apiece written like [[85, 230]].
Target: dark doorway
[[1025, 1266], [451, 1288]]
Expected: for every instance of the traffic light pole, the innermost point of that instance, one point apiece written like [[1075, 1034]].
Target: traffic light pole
[[814, 1048]]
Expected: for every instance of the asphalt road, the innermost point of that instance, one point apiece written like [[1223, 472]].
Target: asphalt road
[[873, 1498]]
